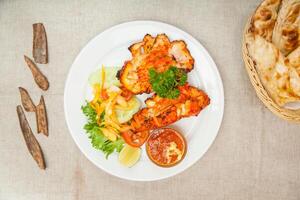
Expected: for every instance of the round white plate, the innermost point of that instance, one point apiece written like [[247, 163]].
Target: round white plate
[[111, 49]]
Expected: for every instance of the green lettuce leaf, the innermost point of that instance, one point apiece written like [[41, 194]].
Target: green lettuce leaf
[[98, 140]]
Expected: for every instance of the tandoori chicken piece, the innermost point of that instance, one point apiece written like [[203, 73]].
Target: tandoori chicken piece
[[161, 112], [153, 52]]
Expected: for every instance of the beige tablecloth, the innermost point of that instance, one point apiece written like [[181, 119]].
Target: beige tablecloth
[[255, 155]]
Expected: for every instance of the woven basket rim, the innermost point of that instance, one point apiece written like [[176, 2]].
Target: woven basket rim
[[286, 114]]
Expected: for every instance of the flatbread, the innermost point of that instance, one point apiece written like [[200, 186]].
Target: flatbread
[[286, 33], [276, 56], [264, 18], [279, 79], [294, 59]]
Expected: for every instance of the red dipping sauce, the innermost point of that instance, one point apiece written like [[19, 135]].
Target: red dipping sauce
[[166, 147]]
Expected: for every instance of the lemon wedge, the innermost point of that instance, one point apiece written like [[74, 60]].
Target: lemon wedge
[[129, 155]]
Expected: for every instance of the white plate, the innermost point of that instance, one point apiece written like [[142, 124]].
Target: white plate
[[111, 48]]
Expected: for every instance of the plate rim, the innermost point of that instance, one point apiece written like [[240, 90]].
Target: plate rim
[[192, 39]]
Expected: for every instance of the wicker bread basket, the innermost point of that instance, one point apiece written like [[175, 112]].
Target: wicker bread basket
[[290, 115]]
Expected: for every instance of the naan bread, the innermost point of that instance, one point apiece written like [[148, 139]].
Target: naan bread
[[280, 79], [286, 33], [264, 19], [294, 59]]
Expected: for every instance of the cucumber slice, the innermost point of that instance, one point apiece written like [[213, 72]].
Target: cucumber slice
[[110, 77], [125, 115]]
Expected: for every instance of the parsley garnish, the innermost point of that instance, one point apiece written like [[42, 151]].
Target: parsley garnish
[[166, 84]]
